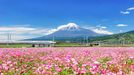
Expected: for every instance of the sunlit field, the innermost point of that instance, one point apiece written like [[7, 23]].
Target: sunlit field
[[67, 61]]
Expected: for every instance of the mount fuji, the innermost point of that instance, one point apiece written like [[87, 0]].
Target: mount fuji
[[71, 30]]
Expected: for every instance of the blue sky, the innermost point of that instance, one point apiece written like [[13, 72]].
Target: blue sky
[[115, 15]]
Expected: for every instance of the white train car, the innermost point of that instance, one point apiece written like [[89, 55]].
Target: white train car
[[33, 43]]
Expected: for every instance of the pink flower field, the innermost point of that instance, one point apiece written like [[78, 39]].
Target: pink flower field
[[67, 61]]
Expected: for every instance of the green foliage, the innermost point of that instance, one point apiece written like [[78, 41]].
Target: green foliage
[[130, 61], [64, 72], [98, 74], [15, 45], [128, 36], [104, 60], [80, 64], [66, 44], [1, 62], [9, 73], [29, 73]]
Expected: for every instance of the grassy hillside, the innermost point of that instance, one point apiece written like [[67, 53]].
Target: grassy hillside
[[122, 37]]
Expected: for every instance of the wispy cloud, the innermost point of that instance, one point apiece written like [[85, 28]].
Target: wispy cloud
[[100, 30], [101, 27], [25, 32], [16, 29], [3, 37], [121, 25], [125, 12], [131, 8]]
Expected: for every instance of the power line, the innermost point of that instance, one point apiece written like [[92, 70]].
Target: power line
[[9, 38]]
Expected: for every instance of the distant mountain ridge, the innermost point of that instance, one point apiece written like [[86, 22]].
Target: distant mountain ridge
[[69, 31]]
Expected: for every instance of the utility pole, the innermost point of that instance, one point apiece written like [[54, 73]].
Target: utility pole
[[121, 38], [87, 40], [7, 38], [53, 41], [84, 40]]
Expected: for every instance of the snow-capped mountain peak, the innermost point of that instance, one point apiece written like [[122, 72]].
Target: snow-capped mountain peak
[[68, 26], [72, 25], [71, 30]]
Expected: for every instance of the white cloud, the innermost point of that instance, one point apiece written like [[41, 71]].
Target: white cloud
[[131, 8], [101, 27], [121, 25], [19, 33], [16, 30], [14, 37], [23, 30], [51, 31], [125, 12], [44, 31], [4, 36], [100, 30]]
